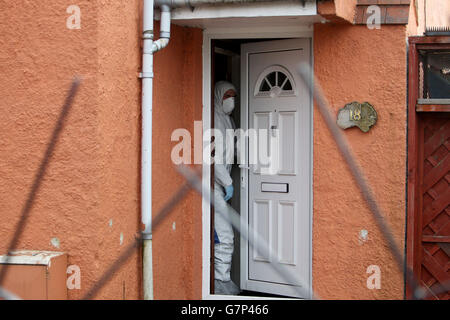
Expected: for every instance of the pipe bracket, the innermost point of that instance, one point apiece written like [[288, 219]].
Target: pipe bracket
[[146, 236], [147, 34], [144, 75]]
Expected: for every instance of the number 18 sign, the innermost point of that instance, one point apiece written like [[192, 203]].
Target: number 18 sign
[[355, 114]]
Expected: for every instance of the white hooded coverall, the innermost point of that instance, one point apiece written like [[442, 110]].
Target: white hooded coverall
[[223, 250]]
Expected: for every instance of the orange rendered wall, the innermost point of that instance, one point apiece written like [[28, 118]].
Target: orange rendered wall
[[89, 200], [177, 103], [354, 63]]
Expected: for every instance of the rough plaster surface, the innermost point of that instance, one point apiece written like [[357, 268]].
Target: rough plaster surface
[[355, 63], [436, 13], [338, 11]]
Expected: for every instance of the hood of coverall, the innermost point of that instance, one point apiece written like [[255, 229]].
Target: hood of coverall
[[219, 90]]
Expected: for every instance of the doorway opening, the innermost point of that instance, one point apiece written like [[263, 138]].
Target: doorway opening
[[226, 63]]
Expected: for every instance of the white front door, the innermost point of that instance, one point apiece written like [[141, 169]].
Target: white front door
[[277, 205]]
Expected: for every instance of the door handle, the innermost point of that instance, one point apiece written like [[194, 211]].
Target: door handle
[[242, 166], [273, 130]]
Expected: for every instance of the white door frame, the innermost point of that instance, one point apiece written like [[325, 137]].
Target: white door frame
[[235, 33]]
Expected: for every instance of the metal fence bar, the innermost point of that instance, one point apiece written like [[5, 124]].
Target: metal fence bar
[[40, 173], [255, 240], [325, 110]]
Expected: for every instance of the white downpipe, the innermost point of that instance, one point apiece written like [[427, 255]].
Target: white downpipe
[[149, 47], [146, 148]]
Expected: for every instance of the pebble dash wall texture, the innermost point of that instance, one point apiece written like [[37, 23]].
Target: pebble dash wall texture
[[88, 204], [354, 63]]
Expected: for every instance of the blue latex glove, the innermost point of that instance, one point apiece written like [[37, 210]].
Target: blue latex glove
[[216, 237], [228, 192]]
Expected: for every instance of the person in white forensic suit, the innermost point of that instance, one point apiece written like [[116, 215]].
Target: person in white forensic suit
[[224, 98]]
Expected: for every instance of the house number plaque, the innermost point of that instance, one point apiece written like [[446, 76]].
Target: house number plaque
[[355, 114]]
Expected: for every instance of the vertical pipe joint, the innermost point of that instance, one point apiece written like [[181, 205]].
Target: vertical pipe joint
[[164, 33], [165, 21]]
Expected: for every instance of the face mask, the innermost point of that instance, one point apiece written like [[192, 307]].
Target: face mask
[[228, 105]]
